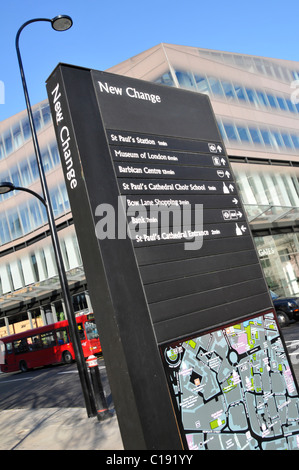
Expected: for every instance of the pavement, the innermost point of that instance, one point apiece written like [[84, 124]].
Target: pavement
[[57, 429]]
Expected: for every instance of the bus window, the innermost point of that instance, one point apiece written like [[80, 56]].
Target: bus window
[[91, 330], [21, 346], [62, 337], [34, 343], [81, 331], [47, 339], [9, 349]]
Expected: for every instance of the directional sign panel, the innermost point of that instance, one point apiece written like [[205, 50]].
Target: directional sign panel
[[184, 178], [170, 264]]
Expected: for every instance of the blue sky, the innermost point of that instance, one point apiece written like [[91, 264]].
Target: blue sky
[[107, 32]]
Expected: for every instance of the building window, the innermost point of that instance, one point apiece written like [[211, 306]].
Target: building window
[[14, 224], [37, 119], [202, 84], [279, 257], [46, 114], [281, 103], [165, 79], [287, 140], [15, 176], [34, 267], [26, 173], [240, 92], [267, 185], [228, 90], [65, 254], [8, 143], [295, 140], [46, 160], [10, 278], [243, 134], [266, 137], [35, 216], [230, 131], [2, 151], [252, 96], [215, 87], [262, 98], [26, 129], [4, 230], [272, 101], [184, 79], [55, 154], [17, 136], [34, 167], [255, 135], [21, 272]]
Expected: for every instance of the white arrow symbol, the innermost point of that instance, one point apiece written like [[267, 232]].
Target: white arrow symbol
[[243, 228], [223, 161], [219, 148], [227, 173], [235, 201], [231, 187], [239, 214]]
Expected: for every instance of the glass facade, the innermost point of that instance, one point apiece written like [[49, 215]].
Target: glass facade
[[269, 188], [19, 220], [279, 256], [228, 90], [267, 185], [19, 133], [271, 196], [37, 263], [27, 262], [262, 66], [258, 121], [260, 136]]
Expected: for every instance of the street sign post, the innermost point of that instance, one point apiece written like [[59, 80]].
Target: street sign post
[[181, 304]]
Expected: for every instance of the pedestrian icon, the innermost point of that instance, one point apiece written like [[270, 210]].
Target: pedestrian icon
[[240, 230], [228, 189], [225, 189]]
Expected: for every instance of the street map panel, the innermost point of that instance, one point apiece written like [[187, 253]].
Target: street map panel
[[234, 388]]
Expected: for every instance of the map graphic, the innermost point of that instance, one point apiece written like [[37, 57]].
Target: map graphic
[[234, 389]]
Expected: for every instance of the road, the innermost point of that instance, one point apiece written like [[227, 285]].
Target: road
[[59, 385], [291, 338], [47, 387]]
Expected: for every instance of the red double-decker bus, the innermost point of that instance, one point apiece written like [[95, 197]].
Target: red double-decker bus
[[48, 344]]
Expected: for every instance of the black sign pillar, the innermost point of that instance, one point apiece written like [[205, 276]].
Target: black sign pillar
[[167, 251]]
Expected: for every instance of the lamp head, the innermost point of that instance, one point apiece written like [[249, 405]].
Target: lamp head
[[62, 22], [6, 187]]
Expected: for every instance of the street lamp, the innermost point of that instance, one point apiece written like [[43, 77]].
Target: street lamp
[[7, 187], [59, 23]]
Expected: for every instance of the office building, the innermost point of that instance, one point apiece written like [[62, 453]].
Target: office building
[[255, 103], [29, 284]]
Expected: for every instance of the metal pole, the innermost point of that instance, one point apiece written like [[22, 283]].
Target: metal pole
[[81, 365]]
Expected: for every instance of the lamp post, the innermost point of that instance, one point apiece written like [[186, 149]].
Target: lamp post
[[59, 23]]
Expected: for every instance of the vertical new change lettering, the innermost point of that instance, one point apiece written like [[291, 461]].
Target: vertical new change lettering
[[64, 138]]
